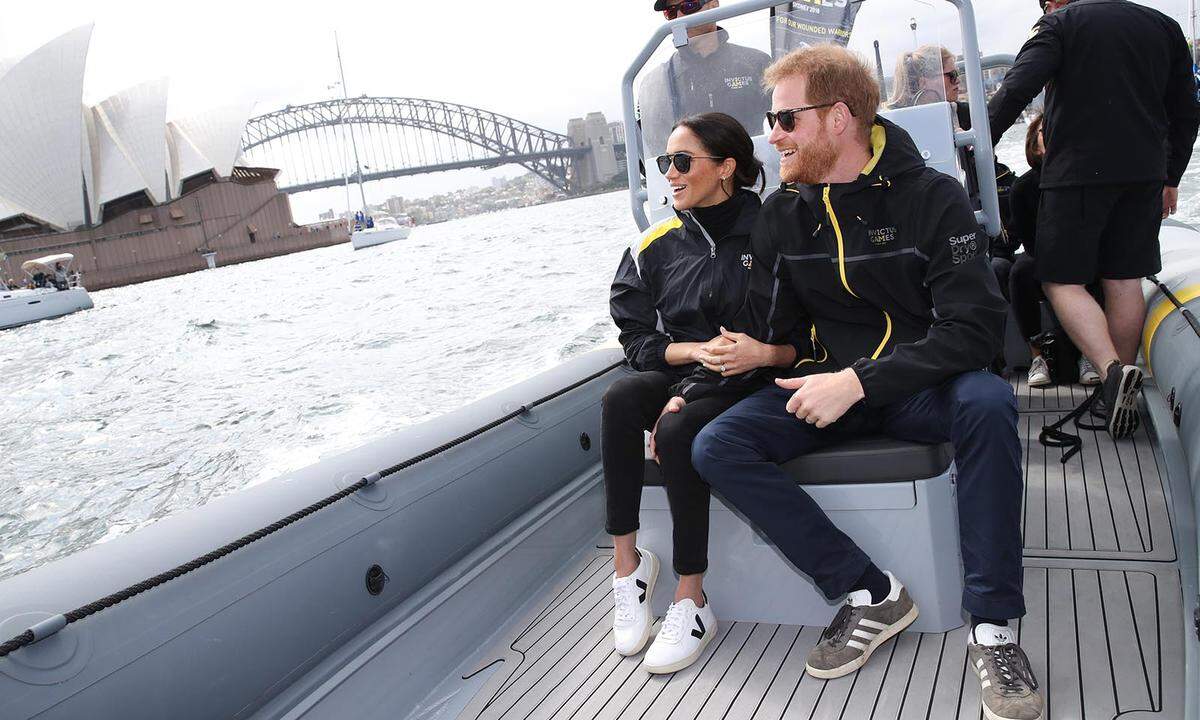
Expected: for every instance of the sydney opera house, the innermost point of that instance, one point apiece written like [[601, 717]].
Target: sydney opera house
[[134, 196]]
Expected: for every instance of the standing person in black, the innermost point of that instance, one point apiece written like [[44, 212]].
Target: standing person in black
[[709, 74], [1121, 118], [679, 290]]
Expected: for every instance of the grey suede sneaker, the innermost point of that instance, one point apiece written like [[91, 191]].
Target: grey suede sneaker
[[858, 629], [1008, 689]]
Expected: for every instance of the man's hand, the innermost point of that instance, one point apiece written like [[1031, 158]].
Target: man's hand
[[1170, 201], [823, 399], [673, 405], [734, 353]]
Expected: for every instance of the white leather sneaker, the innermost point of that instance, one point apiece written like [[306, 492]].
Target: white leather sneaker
[[631, 614], [681, 640]]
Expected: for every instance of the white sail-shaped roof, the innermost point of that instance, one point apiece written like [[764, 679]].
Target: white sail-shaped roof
[[131, 148], [42, 131], [185, 159], [217, 135]]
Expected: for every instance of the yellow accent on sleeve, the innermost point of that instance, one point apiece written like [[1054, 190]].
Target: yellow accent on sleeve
[[657, 231], [878, 141]]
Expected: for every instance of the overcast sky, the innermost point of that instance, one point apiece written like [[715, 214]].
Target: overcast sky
[[541, 61]]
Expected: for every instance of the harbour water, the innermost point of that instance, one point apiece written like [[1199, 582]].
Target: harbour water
[[173, 392]]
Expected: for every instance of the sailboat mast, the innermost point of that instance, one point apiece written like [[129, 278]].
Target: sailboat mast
[[353, 144]]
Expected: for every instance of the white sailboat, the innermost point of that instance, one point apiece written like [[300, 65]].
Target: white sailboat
[[366, 231], [55, 293]]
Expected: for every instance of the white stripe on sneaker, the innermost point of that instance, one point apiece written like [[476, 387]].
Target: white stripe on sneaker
[[864, 634], [987, 684], [856, 645], [873, 624]]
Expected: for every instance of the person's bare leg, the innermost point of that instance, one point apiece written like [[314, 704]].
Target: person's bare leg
[[1084, 320], [691, 586], [625, 554], [1125, 309]]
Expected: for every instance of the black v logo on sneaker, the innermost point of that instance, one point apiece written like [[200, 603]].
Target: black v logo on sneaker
[[698, 633], [642, 586]]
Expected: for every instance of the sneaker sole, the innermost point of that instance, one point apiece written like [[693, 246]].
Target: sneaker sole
[[987, 712], [1090, 381], [993, 716], [649, 595], [681, 664], [1123, 416], [883, 636], [1040, 383]]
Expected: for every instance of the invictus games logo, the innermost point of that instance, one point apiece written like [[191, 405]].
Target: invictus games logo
[[747, 260], [881, 236], [963, 248], [738, 83]]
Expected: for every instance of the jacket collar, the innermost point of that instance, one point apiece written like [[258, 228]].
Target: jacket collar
[[745, 220], [893, 153]]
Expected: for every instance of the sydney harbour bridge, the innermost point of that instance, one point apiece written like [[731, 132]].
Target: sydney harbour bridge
[[324, 144]]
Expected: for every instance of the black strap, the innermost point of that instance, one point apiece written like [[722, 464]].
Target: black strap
[[1054, 436]]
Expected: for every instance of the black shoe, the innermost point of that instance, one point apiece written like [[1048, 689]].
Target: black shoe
[[1121, 387]]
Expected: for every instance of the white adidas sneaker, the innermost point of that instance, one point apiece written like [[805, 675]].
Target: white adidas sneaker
[[631, 614], [685, 632]]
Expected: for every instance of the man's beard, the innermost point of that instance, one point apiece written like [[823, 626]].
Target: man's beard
[[811, 163]]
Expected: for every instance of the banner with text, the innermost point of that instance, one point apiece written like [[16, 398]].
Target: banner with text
[[810, 22]]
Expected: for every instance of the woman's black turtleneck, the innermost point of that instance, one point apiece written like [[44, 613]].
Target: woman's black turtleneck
[[718, 219]]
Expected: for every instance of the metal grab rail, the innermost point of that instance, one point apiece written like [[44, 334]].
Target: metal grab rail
[[985, 168]]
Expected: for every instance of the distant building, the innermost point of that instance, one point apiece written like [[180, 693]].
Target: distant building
[[616, 132], [395, 206], [132, 195], [600, 165]]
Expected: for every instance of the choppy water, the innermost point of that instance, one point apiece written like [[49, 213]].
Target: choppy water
[[173, 392]]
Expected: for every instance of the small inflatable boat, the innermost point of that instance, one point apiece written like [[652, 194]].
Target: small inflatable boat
[[459, 569]]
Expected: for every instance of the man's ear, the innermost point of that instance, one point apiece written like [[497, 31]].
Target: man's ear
[[840, 120]]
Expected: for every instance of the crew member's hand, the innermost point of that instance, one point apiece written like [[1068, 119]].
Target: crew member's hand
[[673, 405], [823, 399], [1170, 201], [737, 353]]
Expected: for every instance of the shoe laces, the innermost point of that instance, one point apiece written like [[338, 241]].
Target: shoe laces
[[1012, 674], [626, 599], [836, 632], [673, 623]]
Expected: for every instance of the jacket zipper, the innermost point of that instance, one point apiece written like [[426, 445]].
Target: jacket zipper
[[841, 251]]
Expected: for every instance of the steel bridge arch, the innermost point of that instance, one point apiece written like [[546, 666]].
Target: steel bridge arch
[[546, 153]]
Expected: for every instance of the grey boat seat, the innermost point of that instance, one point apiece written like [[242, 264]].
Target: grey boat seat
[[876, 459], [896, 499]]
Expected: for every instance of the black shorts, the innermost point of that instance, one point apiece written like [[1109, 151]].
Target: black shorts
[[1098, 231]]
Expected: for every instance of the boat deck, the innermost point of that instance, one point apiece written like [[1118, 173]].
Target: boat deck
[[1103, 629]]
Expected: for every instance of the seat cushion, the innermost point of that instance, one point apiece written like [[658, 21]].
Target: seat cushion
[[866, 460]]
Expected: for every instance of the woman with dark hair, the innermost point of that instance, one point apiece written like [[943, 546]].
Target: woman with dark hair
[[1025, 292], [679, 290]]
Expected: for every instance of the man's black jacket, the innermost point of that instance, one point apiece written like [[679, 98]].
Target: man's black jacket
[[1120, 95], [678, 284], [892, 270]]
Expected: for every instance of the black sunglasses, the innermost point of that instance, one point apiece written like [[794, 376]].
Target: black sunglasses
[[787, 118], [682, 161], [953, 76], [687, 7]]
